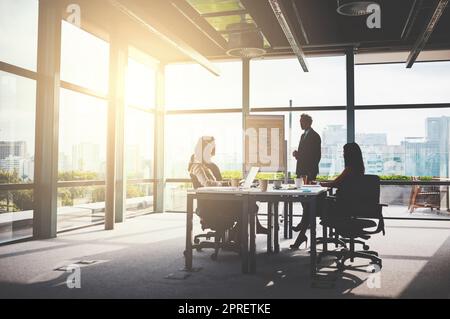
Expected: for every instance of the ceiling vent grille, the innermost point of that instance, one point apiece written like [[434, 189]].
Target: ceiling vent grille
[[245, 41]]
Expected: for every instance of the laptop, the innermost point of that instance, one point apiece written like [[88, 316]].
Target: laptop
[[250, 177], [246, 185]]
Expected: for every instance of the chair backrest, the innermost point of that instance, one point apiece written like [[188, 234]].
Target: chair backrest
[[215, 170], [195, 183], [360, 196]]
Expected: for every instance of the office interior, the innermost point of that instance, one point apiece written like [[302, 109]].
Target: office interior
[[102, 103]]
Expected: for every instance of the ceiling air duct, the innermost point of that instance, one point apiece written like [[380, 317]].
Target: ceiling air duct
[[354, 8], [245, 40]]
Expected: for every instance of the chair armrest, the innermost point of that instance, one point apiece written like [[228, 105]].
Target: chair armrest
[[384, 205]]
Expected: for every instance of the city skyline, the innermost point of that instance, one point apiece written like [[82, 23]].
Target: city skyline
[[414, 156]]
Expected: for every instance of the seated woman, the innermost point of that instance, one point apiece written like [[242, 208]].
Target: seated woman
[[354, 167], [214, 214]]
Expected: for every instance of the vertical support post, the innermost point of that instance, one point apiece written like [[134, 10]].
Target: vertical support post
[[47, 118], [159, 175], [119, 100], [245, 104], [350, 95], [117, 57]]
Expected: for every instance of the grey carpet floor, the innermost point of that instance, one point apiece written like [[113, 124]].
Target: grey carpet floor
[[135, 259]]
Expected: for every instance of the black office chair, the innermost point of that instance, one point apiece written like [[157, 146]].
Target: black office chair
[[218, 232], [355, 213]]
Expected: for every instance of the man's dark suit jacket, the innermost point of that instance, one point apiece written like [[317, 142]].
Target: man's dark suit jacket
[[309, 154]]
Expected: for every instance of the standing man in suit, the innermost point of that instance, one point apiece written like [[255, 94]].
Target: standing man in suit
[[308, 157]]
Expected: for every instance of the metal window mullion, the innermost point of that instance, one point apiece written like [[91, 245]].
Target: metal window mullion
[[159, 141], [350, 73]]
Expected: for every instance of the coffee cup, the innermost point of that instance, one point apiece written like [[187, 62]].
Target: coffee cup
[[235, 182], [263, 183], [299, 182], [277, 184]]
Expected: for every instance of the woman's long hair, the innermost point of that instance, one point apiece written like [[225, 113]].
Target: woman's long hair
[[353, 158], [203, 151]]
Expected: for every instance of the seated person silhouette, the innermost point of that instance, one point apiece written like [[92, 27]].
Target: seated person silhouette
[[215, 214], [354, 168]]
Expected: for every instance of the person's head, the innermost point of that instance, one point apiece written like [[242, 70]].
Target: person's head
[[204, 150], [353, 158], [305, 121]]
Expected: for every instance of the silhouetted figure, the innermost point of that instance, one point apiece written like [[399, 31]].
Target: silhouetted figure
[[354, 168], [308, 157], [215, 214]]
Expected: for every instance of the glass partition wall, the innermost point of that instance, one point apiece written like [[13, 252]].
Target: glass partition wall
[[18, 57], [401, 122]]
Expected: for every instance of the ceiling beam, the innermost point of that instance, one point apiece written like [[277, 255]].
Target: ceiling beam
[[299, 20], [413, 13], [167, 37], [281, 14], [425, 35]]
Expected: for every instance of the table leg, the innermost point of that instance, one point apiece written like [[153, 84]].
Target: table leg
[[325, 237], [291, 217], [313, 214], [252, 217], [269, 227], [286, 219], [244, 236], [276, 230], [189, 222]]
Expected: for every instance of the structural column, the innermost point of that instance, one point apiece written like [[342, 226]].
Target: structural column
[[115, 181], [245, 103], [47, 117], [350, 95], [159, 175], [119, 99]]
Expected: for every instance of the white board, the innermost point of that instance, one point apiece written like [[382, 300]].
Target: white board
[[265, 143]]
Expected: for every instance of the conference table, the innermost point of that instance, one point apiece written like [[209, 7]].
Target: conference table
[[310, 194]]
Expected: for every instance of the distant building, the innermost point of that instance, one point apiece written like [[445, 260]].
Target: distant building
[[24, 167], [86, 157], [429, 155], [334, 138], [14, 148]]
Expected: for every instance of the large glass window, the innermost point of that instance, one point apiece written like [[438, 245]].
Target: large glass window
[[405, 142], [84, 59], [16, 214], [190, 86], [183, 132], [82, 137], [139, 137], [17, 118], [19, 32], [406, 145], [425, 82], [139, 144], [139, 160], [82, 157], [273, 82]]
